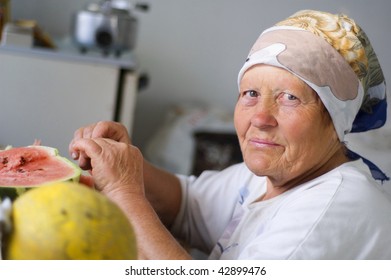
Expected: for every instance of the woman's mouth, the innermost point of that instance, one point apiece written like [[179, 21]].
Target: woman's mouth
[[263, 143]]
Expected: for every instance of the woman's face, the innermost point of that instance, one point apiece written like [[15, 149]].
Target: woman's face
[[284, 131]]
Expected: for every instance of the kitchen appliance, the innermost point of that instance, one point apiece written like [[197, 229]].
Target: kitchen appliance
[[107, 26]]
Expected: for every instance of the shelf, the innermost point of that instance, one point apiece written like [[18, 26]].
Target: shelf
[[66, 51]]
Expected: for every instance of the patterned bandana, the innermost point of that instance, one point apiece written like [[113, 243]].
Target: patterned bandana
[[332, 55]]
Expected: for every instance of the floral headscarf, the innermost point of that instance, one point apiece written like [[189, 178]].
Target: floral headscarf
[[339, 63]]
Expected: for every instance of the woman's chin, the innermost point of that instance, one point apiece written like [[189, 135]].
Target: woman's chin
[[259, 167]]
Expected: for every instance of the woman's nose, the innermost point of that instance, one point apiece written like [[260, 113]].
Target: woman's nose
[[264, 115]]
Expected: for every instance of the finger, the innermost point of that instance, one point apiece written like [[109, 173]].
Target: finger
[[102, 129], [87, 180], [87, 148], [83, 132], [88, 131], [74, 153], [84, 161], [78, 134], [112, 130]]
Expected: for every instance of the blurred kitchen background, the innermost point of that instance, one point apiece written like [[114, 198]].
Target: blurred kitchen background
[[177, 86]]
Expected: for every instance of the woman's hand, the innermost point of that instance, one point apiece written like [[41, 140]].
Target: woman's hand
[[104, 129], [116, 167], [117, 170]]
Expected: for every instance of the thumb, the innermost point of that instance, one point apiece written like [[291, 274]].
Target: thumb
[[87, 180]]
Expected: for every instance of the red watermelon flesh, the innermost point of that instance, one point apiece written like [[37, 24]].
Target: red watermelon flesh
[[35, 165]]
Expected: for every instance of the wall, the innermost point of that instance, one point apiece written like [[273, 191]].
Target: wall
[[193, 49]]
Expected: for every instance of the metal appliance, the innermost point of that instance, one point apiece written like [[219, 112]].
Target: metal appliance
[[107, 26]]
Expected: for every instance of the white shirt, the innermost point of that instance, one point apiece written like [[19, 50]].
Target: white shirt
[[343, 214]]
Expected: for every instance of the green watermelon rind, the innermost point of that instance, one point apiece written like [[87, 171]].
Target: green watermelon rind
[[14, 191]]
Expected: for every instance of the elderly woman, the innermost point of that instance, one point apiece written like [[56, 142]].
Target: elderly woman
[[300, 193]]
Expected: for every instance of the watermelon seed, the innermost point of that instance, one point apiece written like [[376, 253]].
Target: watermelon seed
[[22, 161], [4, 161]]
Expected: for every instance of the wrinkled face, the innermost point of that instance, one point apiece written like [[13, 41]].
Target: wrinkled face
[[283, 129]]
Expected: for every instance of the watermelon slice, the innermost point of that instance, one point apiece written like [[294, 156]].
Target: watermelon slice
[[22, 168]]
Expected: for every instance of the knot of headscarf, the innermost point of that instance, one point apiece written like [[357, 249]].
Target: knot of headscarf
[[332, 55]]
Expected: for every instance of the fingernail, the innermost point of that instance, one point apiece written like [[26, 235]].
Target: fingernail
[[75, 155]]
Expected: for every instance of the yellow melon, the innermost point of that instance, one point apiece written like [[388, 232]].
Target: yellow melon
[[68, 221]]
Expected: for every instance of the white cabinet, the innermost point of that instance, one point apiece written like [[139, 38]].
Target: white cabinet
[[47, 95]]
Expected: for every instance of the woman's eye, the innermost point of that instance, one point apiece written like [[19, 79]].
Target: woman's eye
[[249, 97], [290, 96], [250, 93], [289, 99]]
